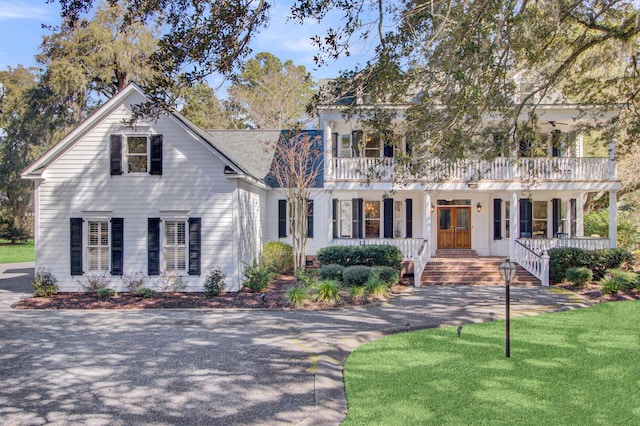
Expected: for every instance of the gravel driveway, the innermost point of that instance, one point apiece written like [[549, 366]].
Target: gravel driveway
[[214, 367]]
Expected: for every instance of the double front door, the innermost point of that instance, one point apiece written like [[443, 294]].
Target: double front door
[[454, 227]]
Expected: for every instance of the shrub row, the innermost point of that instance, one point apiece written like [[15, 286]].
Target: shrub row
[[368, 255], [598, 261]]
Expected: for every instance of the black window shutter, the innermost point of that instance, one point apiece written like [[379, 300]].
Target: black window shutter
[[526, 213], [497, 219], [309, 218], [116, 155], [153, 246], [356, 140], [117, 245], [388, 217], [334, 217], [76, 246], [195, 235], [556, 215], [409, 217], [387, 149], [282, 218], [156, 155], [357, 217], [334, 145], [556, 141], [408, 141]]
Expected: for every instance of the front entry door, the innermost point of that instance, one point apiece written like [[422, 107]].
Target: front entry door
[[454, 227]]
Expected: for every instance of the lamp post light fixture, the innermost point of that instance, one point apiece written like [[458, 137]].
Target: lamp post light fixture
[[478, 207], [507, 272]]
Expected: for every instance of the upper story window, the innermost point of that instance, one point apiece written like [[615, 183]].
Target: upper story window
[[136, 154], [372, 145]]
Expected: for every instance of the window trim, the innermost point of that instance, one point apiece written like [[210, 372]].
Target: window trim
[[125, 152], [86, 232], [164, 221]]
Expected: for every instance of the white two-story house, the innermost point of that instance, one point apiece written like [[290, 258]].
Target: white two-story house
[[166, 196]]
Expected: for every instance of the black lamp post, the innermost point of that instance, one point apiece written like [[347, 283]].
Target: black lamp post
[[507, 272]]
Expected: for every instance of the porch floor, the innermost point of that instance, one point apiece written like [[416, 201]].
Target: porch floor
[[471, 271]]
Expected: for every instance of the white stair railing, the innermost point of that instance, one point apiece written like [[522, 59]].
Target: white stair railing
[[420, 259], [536, 264]]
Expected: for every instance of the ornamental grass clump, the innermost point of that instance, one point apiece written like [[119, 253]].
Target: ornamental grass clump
[[327, 292], [626, 280], [357, 293], [296, 296], [377, 288]]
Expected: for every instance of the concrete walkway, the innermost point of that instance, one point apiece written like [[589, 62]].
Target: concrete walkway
[[216, 367]]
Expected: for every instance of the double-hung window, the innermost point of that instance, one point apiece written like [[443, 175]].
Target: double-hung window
[[136, 154], [540, 216], [98, 248], [372, 219], [175, 245]]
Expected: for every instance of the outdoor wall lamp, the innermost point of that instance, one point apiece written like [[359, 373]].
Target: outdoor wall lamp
[[478, 207], [433, 208], [507, 272]]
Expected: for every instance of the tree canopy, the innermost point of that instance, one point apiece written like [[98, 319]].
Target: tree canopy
[[272, 94]]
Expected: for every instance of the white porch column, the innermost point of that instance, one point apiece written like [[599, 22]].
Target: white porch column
[[514, 224], [580, 216], [426, 226], [328, 148], [613, 219], [329, 217]]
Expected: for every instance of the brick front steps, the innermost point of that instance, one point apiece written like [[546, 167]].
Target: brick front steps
[[471, 271]]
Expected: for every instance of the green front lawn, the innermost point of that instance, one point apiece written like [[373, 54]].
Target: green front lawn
[[578, 367], [16, 253]]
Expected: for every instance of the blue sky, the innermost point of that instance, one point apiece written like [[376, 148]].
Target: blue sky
[[21, 33]]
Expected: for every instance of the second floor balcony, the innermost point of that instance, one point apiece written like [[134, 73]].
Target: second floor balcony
[[555, 169]]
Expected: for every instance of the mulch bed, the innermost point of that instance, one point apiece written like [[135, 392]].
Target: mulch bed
[[593, 293], [270, 298]]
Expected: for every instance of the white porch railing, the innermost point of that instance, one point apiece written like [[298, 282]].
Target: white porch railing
[[408, 246], [531, 253], [500, 169], [420, 260], [536, 264], [539, 246]]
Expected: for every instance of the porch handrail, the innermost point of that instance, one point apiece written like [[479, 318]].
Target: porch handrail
[[536, 264], [408, 246], [540, 245], [420, 260]]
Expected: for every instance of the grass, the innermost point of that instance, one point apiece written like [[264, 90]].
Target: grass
[[16, 253], [576, 367]]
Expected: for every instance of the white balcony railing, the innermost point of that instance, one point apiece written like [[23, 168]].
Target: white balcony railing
[[500, 169], [408, 246]]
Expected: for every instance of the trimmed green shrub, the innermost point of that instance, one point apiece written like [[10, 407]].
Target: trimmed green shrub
[[626, 280], [327, 291], [367, 255], [609, 286], [257, 276], [331, 272], [214, 282], [105, 292], [296, 296], [578, 275], [146, 292], [44, 284], [356, 275], [387, 274], [279, 255], [377, 288], [598, 261]]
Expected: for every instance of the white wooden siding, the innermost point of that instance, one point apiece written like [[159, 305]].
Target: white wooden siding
[[193, 183]]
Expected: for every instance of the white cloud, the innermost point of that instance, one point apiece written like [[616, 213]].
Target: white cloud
[[12, 11]]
